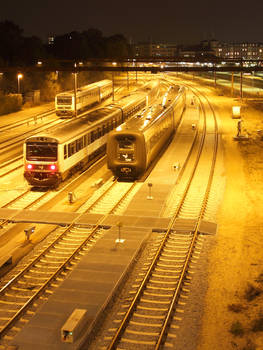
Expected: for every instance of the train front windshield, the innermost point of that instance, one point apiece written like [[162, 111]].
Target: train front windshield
[[64, 100], [126, 148], [41, 151]]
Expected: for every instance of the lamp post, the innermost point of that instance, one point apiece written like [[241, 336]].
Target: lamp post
[[19, 76], [114, 64], [75, 89]]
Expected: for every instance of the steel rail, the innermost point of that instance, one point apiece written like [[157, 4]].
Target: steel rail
[[176, 295], [11, 126], [149, 272], [63, 266]]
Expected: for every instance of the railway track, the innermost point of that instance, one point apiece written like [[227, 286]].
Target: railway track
[[151, 314], [20, 295], [26, 121], [150, 319], [12, 142], [8, 167]]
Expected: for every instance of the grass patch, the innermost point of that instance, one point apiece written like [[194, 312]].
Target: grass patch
[[237, 329], [252, 292]]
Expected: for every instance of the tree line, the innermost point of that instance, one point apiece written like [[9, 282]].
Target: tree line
[[18, 50]]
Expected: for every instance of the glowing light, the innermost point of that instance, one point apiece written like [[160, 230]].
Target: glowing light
[[29, 166], [19, 76], [52, 167]]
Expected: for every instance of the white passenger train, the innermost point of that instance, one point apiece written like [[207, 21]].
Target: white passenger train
[[85, 96], [132, 146], [51, 157]]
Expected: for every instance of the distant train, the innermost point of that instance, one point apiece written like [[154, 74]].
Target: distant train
[[51, 157], [85, 96], [132, 146]]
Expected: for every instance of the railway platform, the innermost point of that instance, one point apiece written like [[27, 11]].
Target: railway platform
[[99, 274]]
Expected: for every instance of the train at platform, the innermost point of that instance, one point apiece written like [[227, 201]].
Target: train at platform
[[86, 96], [133, 146], [51, 157]]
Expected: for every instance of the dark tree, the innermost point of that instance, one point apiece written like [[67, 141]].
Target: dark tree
[[95, 43], [11, 41], [117, 46], [32, 50]]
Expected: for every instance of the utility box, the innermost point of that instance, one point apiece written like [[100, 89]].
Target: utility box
[[236, 112], [73, 326]]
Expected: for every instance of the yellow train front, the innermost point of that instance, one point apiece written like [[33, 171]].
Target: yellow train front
[[133, 145]]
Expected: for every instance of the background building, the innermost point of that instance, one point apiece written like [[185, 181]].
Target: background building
[[155, 49]]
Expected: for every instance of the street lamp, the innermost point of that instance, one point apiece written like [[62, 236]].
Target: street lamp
[[19, 76], [75, 88], [114, 64]]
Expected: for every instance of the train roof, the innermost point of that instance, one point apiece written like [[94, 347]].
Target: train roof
[[82, 89], [144, 119], [150, 115], [76, 127]]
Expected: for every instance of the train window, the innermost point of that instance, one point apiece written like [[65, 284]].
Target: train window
[[125, 157], [41, 150], [64, 100], [126, 143], [92, 136], [88, 139], [71, 148], [79, 144], [99, 132], [65, 152]]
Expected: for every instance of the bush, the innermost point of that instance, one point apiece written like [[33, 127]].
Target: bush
[[252, 292], [236, 308], [10, 103], [257, 324], [237, 329]]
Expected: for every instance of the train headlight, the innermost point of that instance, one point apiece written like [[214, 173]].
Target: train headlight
[[52, 167], [29, 166]]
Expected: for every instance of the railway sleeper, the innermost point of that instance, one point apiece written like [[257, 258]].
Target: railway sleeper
[[158, 302], [142, 333], [134, 341]]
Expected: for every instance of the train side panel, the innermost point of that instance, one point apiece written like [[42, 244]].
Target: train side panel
[[131, 148], [158, 135]]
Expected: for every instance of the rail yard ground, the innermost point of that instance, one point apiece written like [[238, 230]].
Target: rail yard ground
[[233, 306], [230, 316]]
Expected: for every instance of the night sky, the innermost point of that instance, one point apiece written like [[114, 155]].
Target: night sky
[[174, 21]]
